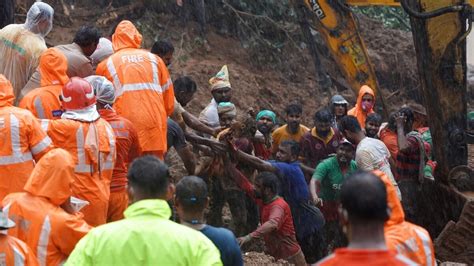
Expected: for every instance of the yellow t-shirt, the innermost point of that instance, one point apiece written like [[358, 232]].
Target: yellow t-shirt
[[281, 134]]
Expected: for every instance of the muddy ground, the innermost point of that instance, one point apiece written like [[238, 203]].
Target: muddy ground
[[391, 51]]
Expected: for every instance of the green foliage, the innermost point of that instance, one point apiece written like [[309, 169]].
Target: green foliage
[[391, 17]]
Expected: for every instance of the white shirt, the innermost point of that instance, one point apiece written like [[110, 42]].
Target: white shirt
[[372, 154]]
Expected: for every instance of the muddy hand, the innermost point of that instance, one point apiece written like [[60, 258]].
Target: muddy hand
[[244, 239], [218, 147], [400, 119]]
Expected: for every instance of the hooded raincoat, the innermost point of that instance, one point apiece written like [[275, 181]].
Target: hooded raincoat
[[408, 239], [143, 88], [357, 110], [22, 141], [22, 44], [16, 252], [145, 237], [42, 224], [92, 146], [44, 102]]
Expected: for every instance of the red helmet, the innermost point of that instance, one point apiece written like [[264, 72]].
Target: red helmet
[[77, 94]]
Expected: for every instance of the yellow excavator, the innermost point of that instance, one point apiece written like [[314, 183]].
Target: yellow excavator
[[439, 28]]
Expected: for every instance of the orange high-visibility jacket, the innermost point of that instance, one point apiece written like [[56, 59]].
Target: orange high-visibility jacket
[[92, 145], [41, 223], [13, 251], [21, 141], [44, 102], [127, 146], [357, 109], [143, 87], [408, 239]]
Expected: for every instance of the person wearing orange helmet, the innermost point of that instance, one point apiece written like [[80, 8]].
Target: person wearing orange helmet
[[364, 106], [44, 102], [22, 142], [91, 141], [143, 88], [128, 147], [410, 240], [47, 221]]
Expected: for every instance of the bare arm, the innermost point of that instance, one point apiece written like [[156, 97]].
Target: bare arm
[[313, 187], [254, 162], [212, 144], [306, 169], [194, 123], [187, 156], [403, 144]]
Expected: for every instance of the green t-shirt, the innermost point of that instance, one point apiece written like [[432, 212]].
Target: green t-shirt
[[329, 174]]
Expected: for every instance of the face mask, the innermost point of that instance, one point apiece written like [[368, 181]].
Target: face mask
[[366, 106]]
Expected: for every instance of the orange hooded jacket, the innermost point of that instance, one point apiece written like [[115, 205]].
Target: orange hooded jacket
[[357, 109], [92, 146], [44, 102], [22, 141], [16, 252], [143, 87], [42, 224], [128, 148], [408, 239]]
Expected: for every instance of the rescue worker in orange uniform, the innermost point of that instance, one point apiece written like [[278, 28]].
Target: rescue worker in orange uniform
[[143, 88], [13, 251], [22, 142], [128, 147], [43, 223], [44, 102], [91, 142], [364, 106], [410, 240]]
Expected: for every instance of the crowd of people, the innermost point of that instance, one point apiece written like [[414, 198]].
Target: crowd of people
[[86, 128]]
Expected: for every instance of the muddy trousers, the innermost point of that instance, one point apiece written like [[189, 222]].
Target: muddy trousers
[[237, 201]]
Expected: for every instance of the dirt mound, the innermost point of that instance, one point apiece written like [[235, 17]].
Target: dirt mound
[[394, 58], [255, 258], [257, 86]]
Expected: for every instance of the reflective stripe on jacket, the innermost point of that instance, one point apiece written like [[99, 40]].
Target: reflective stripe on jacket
[[408, 239], [128, 147], [92, 145], [41, 223], [15, 252], [22, 141], [143, 87]]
